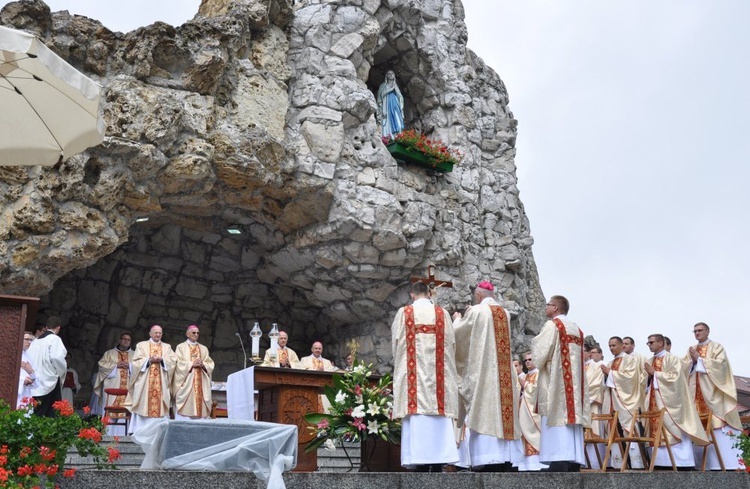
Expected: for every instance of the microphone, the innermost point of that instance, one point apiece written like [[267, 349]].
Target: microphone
[[244, 355]]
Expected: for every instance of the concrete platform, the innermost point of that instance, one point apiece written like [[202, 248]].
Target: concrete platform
[[226, 480]]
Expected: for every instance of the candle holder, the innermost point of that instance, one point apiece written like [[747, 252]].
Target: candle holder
[[255, 335], [274, 337]]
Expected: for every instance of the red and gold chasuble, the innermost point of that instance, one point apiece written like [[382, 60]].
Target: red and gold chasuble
[[504, 376], [195, 354], [565, 341], [412, 330], [700, 402], [154, 383]]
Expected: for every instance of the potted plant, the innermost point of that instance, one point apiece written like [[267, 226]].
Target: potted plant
[[361, 410], [33, 448], [412, 147]]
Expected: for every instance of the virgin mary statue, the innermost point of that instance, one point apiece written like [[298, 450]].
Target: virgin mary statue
[[390, 106]]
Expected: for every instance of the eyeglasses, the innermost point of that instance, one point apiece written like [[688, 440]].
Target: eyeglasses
[[194, 332], [527, 360], [651, 342]]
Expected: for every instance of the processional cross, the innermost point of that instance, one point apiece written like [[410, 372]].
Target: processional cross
[[430, 280]]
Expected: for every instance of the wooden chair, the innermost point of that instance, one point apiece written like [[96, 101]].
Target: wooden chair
[[589, 437], [706, 421], [217, 412], [655, 438], [111, 411]]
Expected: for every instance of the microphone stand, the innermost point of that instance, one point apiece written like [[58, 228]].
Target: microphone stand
[[244, 354]]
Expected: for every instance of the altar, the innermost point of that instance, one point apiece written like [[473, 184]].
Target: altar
[[285, 396]]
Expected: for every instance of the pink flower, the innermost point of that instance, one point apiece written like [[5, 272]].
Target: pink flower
[[323, 424], [359, 424]]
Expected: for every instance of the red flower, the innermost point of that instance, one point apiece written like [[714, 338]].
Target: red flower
[[86, 410], [52, 470], [70, 473], [64, 408], [105, 420], [90, 434], [4, 449], [114, 454], [25, 470], [40, 468], [3, 460], [25, 452], [4, 475], [47, 454]]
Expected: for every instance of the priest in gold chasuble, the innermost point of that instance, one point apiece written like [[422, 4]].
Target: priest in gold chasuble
[[149, 395], [668, 388], [487, 382], [713, 389], [191, 384], [563, 400], [425, 393], [595, 384]]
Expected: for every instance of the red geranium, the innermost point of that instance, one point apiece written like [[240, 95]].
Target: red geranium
[[114, 454], [64, 408], [25, 470], [91, 434], [70, 473]]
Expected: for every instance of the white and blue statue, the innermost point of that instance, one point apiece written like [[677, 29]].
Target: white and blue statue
[[390, 106]]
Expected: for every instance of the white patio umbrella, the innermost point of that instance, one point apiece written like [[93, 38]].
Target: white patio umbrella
[[49, 111]]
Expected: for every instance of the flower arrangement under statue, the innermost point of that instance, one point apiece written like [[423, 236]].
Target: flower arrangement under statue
[[413, 147], [33, 448], [360, 410]]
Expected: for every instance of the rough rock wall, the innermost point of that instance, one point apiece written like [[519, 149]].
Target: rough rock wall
[[259, 115]]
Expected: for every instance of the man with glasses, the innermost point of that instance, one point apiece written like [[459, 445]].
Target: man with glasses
[[149, 396], [529, 418], [563, 395], [26, 378], [668, 388], [191, 384], [488, 382], [713, 390], [625, 390]]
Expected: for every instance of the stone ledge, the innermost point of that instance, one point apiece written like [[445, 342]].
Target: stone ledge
[[237, 480]]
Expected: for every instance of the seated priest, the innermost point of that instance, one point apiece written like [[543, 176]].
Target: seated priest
[[316, 360], [283, 357]]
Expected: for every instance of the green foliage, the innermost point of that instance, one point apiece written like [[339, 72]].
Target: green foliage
[[742, 442], [33, 448], [360, 409]]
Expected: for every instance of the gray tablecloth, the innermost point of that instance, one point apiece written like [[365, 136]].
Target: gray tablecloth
[[222, 445]]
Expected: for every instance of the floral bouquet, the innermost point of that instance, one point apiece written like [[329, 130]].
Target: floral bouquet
[[33, 448], [360, 410], [742, 442], [436, 150]]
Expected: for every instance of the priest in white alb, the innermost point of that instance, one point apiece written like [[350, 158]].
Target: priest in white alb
[[191, 383], [425, 393], [487, 383], [149, 395], [595, 384], [713, 389], [668, 388], [563, 394]]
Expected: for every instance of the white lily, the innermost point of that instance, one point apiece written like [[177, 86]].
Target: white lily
[[358, 412], [340, 397], [372, 427], [373, 409]]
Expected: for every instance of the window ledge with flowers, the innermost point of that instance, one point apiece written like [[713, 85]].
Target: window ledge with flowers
[[412, 147], [361, 411], [33, 448]]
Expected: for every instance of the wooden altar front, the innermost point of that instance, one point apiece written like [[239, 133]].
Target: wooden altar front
[[285, 396], [16, 314]]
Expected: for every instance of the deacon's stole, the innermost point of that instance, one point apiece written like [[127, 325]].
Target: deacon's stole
[[195, 354], [567, 368], [154, 382], [412, 330], [658, 364]]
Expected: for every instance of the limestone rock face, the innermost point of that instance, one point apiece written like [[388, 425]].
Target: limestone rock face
[[259, 117]]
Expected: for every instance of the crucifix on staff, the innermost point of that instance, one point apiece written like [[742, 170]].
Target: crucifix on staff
[[431, 281]]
